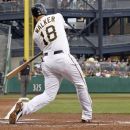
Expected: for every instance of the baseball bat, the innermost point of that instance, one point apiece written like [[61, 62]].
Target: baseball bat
[[21, 67]]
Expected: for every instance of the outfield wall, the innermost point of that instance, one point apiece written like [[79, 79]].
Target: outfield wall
[[95, 85]]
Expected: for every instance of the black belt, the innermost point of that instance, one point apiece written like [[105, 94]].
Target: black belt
[[55, 52]]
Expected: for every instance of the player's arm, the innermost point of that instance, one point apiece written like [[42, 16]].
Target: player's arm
[[66, 26]]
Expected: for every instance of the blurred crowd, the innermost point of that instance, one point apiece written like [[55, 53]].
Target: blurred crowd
[[11, 5], [100, 68], [105, 68], [74, 4]]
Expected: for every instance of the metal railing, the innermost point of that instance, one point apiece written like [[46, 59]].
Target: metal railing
[[11, 6], [107, 40], [18, 5], [89, 4]]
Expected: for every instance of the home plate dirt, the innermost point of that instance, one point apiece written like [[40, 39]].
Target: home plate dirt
[[38, 121]]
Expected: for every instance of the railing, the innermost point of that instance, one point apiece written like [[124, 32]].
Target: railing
[[18, 5], [88, 4], [116, 4], [107, 40], [79, 41], [11, 6]]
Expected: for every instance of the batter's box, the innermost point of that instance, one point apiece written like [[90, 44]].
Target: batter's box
[[4, 121], [67, 123]]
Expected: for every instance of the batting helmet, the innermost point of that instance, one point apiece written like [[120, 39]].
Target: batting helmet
[[38, 9]]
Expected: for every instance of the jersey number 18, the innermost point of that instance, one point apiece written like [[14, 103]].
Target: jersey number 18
[[50, 33]]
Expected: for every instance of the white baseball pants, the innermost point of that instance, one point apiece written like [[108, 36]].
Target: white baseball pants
[[55, 68]]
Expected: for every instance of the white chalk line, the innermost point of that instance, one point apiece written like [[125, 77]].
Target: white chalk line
[[39, 123]]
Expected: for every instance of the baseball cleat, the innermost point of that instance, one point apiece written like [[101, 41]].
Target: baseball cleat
[[86, 121], [16, 114]]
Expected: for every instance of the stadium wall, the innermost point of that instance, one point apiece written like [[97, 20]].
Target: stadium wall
[[95, 85]]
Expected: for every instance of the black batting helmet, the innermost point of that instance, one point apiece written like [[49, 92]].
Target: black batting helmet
[[38, 9]]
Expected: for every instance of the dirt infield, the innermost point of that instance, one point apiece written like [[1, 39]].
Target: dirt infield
[[62, 121]]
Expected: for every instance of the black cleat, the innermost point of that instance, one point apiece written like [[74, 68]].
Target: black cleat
[[86, 121]]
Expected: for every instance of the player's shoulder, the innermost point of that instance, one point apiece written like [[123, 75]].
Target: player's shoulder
[[56, 15], [59, 14]]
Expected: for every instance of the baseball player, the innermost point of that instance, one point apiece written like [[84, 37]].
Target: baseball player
[[58, 63]]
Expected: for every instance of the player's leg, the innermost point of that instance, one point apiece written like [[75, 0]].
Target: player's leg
[[52, 83], [75, 75], [69, 68]]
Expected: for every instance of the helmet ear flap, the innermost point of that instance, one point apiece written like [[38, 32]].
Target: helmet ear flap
[[38, 10]]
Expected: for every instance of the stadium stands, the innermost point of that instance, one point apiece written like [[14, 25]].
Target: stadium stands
[[83, 39]]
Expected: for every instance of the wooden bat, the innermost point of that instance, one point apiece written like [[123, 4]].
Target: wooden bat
[[21, 67]]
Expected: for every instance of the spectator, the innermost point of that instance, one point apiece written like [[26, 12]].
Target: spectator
[[64, 4], [24, 77]]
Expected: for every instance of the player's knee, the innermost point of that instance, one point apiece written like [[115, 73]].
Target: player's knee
[[52, 97]]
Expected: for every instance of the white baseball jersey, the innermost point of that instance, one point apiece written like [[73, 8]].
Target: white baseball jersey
[[49, 34]]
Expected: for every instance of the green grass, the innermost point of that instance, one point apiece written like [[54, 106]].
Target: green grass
[[102, 103], [111, 106], [64, 103]]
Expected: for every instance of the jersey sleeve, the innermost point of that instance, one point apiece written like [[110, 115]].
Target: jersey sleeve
[[65, 24]]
